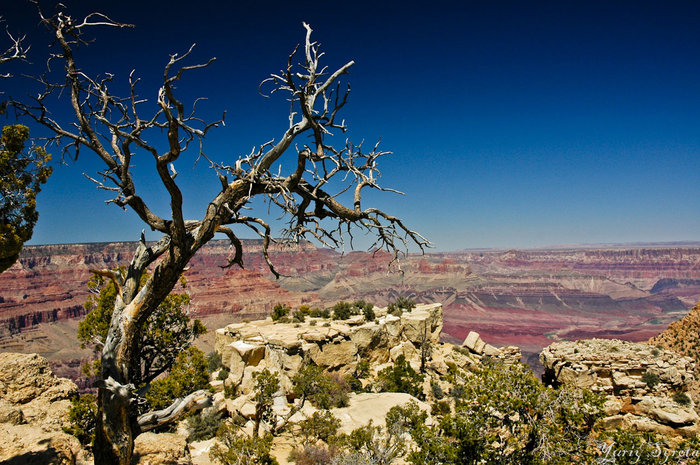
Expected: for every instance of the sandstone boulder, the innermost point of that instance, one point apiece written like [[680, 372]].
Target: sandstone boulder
[[334, 355], [474, 343], [32, 445], [25, 377], [161, 449]]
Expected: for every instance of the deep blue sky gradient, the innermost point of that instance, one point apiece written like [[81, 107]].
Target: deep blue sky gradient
[[512, 124]]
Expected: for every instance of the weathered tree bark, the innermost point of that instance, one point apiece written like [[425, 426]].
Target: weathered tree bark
[[111, 128], [181, 407]]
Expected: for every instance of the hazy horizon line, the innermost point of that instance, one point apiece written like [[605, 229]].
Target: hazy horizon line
[[562, 246]]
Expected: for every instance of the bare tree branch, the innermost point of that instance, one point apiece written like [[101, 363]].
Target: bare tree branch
[[16, 51], [176, 411]]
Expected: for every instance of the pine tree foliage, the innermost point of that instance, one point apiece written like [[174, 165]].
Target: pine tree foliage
[[22, 173]]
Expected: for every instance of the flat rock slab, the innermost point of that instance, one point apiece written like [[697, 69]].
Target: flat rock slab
[[366, 407]]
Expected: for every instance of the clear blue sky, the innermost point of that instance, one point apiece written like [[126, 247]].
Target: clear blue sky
[[513, 124]]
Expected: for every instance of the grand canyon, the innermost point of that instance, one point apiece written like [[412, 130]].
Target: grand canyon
[[527, 298]]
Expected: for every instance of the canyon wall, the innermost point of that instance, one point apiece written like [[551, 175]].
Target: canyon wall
[[527, 298]]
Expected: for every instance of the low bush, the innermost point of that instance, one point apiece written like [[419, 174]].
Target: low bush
[[543, 425], [234, 448], [304, 310], [214, 361], [681, 398], [314, 454], [401, 305], [188, 374], [320, 313], [401, 377], [223, 374], [362, 369], [441, 408], [651, 379], [342, 311], [82, 417], [438, 393], [279, 311], [202, 426], [322, 425], [322, 390]]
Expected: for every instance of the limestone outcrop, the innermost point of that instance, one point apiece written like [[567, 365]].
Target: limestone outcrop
[[337, 346], [646, 386], [34, 408]]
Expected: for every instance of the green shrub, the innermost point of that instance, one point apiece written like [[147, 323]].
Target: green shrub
[[83, 418], [234, 448], [364, 308], [304, 310], [321, 425], [188, 374], [266, 385], [230, 391], [681, 398], [407, 416], [651, 379], [400, 305], [314, 454], [318, 313], [543, 425], [214, 361], [362, 369], [438, 393], [322, 390], [202, 426], [223, 374], [279, 311], [441, 408], [458, 392], [400, 377], [342, 310], [339, 391], [370, 445], [298, 317], [354, 383]]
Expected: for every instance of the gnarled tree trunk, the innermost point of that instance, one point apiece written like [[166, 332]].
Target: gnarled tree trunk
[[117, 423]]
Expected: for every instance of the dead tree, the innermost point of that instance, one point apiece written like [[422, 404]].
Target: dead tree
[[116, 130], [16, 51]]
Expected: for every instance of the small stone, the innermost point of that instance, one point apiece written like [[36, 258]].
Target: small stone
[[474, 343]]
